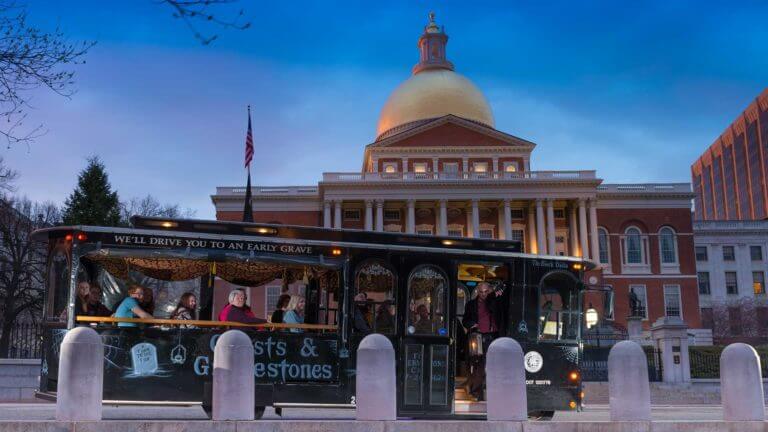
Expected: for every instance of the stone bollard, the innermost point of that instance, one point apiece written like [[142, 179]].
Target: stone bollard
[[505, 381], [81, 376], [741, 384], [375, 382], [233, 380], [629, 391]]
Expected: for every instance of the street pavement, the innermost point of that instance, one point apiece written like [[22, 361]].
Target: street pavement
[[46, 411]]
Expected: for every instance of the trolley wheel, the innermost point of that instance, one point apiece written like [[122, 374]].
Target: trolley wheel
[[258, 412], [541, 415]]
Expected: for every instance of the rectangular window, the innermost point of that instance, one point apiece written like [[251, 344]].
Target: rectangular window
[[703, 278], [451, 167], [559, 213], [734, 320], [391, 215], [756, 253], [729, 254], [455, 233], [731, 283], [272, 294], [390, 167], [518, 235], [510, 167], [758, 282], [352, 215], [639, 291], [486, 233], [480, 167], [602, 246], [701, 253], [672, 307], [420, 167], [517, 213]]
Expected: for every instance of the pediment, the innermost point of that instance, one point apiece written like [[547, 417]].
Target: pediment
[[450, 131]]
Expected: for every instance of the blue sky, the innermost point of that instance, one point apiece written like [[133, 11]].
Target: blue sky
[[635, 90]]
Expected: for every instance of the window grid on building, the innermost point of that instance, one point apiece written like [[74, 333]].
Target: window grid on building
[[272, 293], [486, 233], [703, 278], [731, 283], [634, 248], [756, 253], [758, 282], [668, 242], [391, 215], [729, 254], [516, 213], [352, 215], [602, 245], [672, 306], [701, 253]]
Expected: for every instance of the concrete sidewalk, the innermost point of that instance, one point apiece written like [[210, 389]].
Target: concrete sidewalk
[[592, 413]]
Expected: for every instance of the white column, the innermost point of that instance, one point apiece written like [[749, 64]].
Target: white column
[[464, 167], [368, 215], [507, 221], [410, 220], [337, 214], [405, 165], [435, 166], [550, 227], [573, 232], [475, 219], [540, 239], [379, 215], [583, 229], [443, 218], [375, 161], [327, 214], [532, 246], [593, 231], [495, 167]]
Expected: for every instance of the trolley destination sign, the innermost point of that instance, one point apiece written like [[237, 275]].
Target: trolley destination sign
[[142, 240]]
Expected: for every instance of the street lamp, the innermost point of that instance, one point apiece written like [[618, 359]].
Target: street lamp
[[591, 316]]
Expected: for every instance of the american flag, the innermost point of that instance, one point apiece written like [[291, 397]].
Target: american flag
[[249, 142]]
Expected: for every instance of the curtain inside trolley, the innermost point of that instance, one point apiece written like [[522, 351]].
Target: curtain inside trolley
[[166, 277]]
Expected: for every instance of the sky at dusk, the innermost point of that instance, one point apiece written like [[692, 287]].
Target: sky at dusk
[[635, 90]]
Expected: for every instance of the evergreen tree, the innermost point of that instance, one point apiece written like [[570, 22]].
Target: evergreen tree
[[92, 202]]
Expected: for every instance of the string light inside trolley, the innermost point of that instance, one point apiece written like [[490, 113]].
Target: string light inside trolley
[[448, 242], [336, 252], [577, 266], [261, 230]]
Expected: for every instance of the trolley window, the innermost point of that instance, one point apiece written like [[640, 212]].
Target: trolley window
[[375, 285], [427, 301]]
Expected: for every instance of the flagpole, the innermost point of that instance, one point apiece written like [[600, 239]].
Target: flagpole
[[248, 207]]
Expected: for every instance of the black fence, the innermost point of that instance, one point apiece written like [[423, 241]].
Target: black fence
[[25, 341], [594, 363], [705, 361]]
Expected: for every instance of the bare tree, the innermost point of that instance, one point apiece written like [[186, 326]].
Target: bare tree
[[735, 319], [150, 206], [31, 58], [7, 177], [22, 261], [195, 12]]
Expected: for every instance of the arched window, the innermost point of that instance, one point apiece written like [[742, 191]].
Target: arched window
[[427, 301], [375, 285], [603, 245], [633, 246], [668, 245]]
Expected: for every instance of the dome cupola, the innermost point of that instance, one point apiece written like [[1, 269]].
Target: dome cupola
[[434, 90]]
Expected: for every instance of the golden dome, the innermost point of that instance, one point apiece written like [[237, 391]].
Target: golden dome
[[433, 93]]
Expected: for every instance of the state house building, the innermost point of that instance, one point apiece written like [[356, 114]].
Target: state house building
[[438, 166]]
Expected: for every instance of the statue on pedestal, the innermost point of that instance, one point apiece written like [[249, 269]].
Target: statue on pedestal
[[634, 304]]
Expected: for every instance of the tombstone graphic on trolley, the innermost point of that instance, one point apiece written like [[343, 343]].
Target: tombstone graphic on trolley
[[144, 359]]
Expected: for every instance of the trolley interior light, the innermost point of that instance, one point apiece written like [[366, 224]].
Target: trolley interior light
[[168, 224], [261, 230], [68, 237], [577, 266], [572, 404], [573, 376], [82, 237], [448, 242], [336, 252]]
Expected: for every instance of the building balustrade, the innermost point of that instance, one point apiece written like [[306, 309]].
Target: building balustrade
[[456, 176]]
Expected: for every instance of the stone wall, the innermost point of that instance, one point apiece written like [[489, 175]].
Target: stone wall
[[699, 392], [19, 378]]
